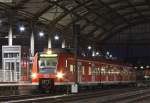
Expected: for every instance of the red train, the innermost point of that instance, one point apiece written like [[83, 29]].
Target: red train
[[53, 64]]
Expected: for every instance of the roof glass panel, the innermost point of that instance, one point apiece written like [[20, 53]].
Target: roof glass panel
[[98, 32], [81, 11], [91, 16], [66, 20], [53, 13], [69, 4], [88, 29]]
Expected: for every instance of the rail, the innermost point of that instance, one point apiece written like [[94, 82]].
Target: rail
[[104, 95]]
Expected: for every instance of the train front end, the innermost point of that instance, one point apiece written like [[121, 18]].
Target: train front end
[[44, 67]]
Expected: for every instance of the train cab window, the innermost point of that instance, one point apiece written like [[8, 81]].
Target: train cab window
[[47, 65], [42, 63], [71, 68]]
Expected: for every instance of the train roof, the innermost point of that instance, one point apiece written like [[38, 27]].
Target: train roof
[[98, 59]]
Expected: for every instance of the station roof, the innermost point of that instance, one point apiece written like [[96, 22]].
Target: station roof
[[98, 18]]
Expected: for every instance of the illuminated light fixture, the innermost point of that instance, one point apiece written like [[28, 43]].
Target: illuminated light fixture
[[49, 52], [22, 28], [102, 69], [110, 56], [97, 53], [59, 75], [141, 67], [146, 76], [93, 53], [34, 75], [89, 47], [48, 55], [135, 67], [56, 37], [41, 34], [147, 66], [107, 53]]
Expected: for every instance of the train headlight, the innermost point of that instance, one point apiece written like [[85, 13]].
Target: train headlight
[[34, 75], [60, 75]]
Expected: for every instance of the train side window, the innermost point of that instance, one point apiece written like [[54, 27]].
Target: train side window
[[90, 71], [71, 68], [103, 70], [83, 70], [99, 71]]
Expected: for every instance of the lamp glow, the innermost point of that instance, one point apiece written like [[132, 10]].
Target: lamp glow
[[34, 75], [59, 75], [49, 52], [41, 34], [22, 28], [97, 53], [56, 37], [89, 47]]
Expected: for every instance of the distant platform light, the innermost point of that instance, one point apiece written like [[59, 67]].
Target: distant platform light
[[22, 28], [93, 54], [83, 54], [135, 67], [142, 67], [110, 56], [89, 47], [147, 66], [41, 34], [56, 37], [107, 52], [97, 53]]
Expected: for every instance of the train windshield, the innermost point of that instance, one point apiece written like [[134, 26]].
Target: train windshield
[[47, 65]]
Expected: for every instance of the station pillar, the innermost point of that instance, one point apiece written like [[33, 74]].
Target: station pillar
[[11, 57], [93, 53], [10, 38], [32, 44], [49, 42], [63, 44], [76, 33]]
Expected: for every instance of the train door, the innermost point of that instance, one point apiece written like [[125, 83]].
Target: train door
[[79, 72], [93, 72], [46, 85]]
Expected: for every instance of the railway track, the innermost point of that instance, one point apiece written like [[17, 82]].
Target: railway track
[[104, 95]]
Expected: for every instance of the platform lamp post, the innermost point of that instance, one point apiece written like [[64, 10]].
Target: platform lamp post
[[32, 46], [76, 32]]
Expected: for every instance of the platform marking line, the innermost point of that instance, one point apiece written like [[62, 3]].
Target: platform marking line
[[32, 99]]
